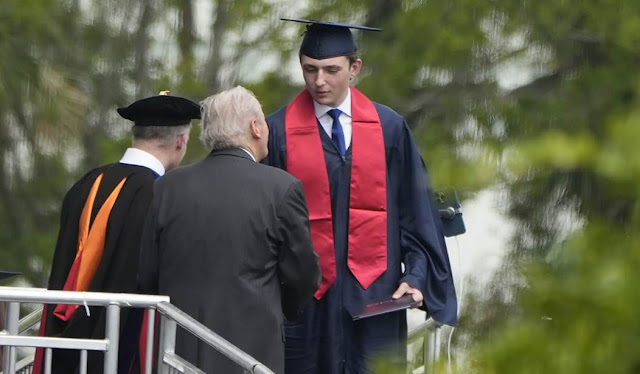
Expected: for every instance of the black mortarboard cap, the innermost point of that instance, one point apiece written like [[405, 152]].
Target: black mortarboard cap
[[161, 110], [328, 39], [7, 274]]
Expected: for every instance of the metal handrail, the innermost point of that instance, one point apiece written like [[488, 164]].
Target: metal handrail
[[25, 365], [420, 330], [429, 332], [44, 296], [214, 340], [171, 316], [30, 320], [181, 364], [59, 343]]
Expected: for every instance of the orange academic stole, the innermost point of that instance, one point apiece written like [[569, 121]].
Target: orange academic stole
[[90, 246]]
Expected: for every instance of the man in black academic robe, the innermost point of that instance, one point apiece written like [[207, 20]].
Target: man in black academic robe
[[160, 135], [326, 340], [227, 238]]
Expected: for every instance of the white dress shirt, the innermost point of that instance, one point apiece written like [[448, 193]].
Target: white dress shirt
[[345, 118], [135, 156]]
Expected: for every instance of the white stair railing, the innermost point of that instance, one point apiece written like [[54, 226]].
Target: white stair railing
[[171, 317], [429, 331]]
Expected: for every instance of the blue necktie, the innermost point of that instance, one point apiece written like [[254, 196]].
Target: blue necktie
[[337, 135]]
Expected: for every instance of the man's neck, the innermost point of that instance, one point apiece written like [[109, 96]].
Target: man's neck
[[250, 152], [157, 153], [344, 106]]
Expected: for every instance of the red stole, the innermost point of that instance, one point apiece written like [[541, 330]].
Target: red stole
[[367, 245]]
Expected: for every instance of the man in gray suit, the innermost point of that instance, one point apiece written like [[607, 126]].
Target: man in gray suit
[[228, 239]]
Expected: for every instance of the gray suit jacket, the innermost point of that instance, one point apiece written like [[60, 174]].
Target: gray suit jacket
[[228, 240]]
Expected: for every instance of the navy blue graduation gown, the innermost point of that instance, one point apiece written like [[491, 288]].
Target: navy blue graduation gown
[[325, 339]]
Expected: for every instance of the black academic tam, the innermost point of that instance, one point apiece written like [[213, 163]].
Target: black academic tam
[[161, 110]]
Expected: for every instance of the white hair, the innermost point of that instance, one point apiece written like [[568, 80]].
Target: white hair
[[226, 118]]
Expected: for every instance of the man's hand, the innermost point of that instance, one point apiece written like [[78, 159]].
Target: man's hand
[[406, 289]]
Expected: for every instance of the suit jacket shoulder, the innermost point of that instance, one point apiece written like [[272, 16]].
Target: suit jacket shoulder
[[236, 161], [275, 174]]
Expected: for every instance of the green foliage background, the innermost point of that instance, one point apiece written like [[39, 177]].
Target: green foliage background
[[540, 98]]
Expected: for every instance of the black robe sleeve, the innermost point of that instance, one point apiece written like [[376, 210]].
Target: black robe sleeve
[[422, 246]]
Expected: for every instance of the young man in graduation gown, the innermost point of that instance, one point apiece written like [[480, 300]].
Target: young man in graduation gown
[[228, 240], [370, 212], [101, 225]]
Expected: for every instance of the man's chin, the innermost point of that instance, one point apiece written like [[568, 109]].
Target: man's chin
[[324, 101]]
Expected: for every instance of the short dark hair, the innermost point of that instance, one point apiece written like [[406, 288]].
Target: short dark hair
[[352, 57], [161, 134]]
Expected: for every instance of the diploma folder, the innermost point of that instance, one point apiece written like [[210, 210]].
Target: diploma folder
[[389, 305]]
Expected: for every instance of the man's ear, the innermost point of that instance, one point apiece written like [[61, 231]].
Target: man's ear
[[255, 129], [181, 141], [354, 69]]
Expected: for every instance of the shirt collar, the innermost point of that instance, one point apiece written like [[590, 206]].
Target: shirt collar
[[345, 107], [249, 153], [135, 156]]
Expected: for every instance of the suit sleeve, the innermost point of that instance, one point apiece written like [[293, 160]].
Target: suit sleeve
[[426, 259], [298, 265]]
